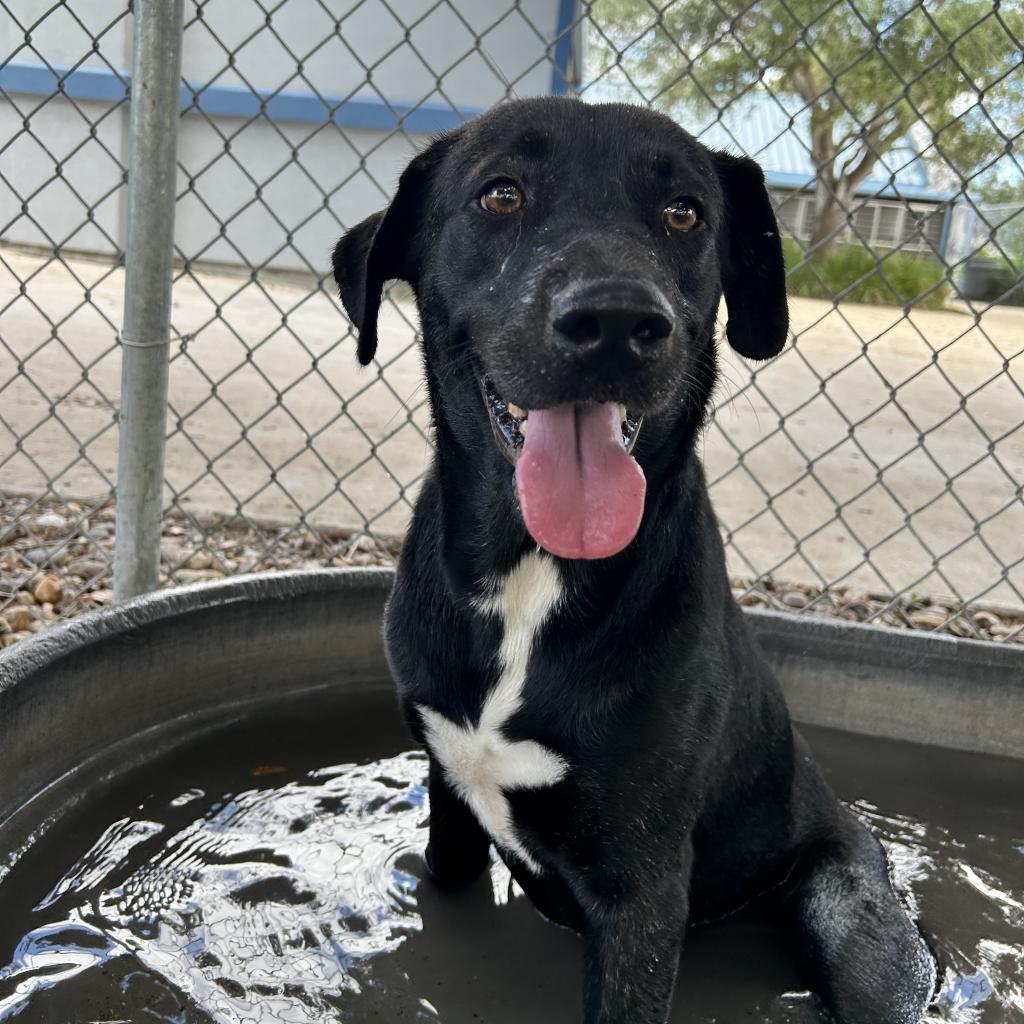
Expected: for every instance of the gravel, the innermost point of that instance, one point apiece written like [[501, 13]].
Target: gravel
[[56, 560]]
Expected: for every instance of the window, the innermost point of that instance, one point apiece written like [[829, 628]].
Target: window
[[863, 222], [788, 206], [922, 228], [888, 224], [807, 217], [878, 223]]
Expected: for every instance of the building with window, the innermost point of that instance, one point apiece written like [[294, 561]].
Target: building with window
[[897, 207], [295, 125]]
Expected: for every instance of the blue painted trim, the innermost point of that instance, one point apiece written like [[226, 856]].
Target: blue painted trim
[[80, 84], [947, 223], [368, 112], [565, 32]]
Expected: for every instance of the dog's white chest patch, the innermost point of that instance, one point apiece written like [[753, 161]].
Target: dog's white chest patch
[[480, 763]]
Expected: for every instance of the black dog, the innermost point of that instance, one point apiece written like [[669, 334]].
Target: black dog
[[563, 635]]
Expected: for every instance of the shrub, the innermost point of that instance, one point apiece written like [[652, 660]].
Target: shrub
[[855, 274]]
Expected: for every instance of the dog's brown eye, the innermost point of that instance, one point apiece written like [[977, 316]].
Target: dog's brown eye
[[681, 215], [503, 197]]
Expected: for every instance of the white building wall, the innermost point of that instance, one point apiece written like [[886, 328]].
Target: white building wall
[[38, 205], [371, 53], [282, 189]]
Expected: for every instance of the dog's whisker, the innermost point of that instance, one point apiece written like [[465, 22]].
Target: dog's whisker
[[738, 391]]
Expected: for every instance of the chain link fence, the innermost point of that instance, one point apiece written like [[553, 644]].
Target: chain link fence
[[873, 470]]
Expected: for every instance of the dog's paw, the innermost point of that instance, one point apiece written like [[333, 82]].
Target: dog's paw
[[454, 869]]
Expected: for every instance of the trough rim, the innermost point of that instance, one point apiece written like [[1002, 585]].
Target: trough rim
[[932, 689], [881, 643], [25, 657]]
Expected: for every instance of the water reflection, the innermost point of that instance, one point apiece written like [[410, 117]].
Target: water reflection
[[298, 901], [263, 909]]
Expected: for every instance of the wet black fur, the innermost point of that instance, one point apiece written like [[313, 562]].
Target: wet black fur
[[689, 793]]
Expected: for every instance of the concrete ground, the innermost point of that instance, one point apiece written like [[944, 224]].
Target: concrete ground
[[881, 450]]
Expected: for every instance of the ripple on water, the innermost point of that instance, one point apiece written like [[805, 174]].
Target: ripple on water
[[262, 909], [973, 913], [274, 904]]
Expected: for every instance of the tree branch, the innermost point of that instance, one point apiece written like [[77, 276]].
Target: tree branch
[[803, 82], [878, 135]]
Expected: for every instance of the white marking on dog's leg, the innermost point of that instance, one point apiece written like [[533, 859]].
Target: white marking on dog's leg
[[479, 762]]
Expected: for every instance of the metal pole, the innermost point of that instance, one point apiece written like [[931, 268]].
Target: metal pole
[[145, 337]]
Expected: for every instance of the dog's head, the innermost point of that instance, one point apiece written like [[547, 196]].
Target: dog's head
[[568, 261]]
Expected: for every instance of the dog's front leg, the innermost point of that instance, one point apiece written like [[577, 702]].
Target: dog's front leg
[[459, 849], [631, 953]]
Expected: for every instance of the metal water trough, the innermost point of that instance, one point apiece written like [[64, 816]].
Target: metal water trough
[[91, 698]]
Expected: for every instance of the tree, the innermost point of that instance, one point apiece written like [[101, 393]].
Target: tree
[[868, 72]]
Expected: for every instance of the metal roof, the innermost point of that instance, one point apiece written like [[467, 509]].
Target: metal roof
[[775, 130]]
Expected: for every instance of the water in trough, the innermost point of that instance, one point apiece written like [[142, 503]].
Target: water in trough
[[271, 874]]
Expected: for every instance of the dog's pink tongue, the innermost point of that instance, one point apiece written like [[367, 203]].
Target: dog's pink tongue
[[581, 492]]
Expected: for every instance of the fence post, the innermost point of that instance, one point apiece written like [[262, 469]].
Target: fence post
[[145, 336]]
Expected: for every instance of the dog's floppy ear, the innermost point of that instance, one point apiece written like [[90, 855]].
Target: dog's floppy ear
[[351, 260], [382, 247], [753, 269]]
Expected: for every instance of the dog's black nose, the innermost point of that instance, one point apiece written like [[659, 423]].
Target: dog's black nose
[[612, 314]]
